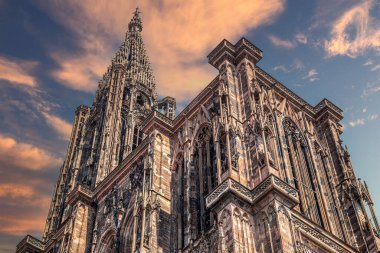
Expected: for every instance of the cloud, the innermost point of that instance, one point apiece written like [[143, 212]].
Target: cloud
[[281, 68], [357, 122], [18, 71], [297, 64], [281, 43], [376, 67], [62, 127], [16, 191], [301, 38], [82, 72], [368, 63], [370, 90], [26, 156], [311, 75], [373, 116], [23, 209], [177, 35], [354, 32]]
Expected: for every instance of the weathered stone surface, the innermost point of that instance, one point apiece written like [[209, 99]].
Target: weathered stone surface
[[248, 166]]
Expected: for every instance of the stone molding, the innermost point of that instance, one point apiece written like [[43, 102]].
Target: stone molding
[[251, 196], [32, 241], [319, 235]]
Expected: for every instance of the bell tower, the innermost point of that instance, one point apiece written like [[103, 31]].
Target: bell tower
[[126, 95]]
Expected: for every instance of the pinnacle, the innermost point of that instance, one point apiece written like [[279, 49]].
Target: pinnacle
[[135, 24]]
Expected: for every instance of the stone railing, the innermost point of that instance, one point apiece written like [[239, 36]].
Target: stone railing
[[85, 191], [31, 241], [270, 183], [312, 231], [327, 103], [80, 190]]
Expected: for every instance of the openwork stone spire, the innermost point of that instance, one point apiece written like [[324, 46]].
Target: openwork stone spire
[[132, 54], [135, 23]]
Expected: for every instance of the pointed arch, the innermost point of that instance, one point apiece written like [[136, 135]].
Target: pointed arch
[[302, 171], [108, 242], [127, 234]]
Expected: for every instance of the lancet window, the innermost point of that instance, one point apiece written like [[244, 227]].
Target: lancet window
[[137, 136], [302, 170], [204, 161]]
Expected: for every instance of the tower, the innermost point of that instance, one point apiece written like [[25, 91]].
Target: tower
[[126, 95], [106, 133]]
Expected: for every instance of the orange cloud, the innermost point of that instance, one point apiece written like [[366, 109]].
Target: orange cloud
[[22, 198], [17, 71], [26, 201], [62, 127], [21, 225], [79, 73], [15, 191], [366, 32], [178, 35], [26, 156]]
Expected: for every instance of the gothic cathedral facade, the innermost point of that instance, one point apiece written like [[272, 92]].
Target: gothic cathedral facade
[[248, 166]]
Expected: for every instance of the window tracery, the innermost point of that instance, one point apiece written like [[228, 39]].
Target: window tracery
[[302, 170], [205, 172]]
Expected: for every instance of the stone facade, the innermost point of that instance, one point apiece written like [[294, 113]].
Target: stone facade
[[248, 166]]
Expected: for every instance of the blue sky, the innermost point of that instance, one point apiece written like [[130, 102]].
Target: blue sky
[[52, 55]]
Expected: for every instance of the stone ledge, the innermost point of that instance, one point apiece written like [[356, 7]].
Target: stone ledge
[[80, 192], [252, 196], [318, 234], [31, 242]]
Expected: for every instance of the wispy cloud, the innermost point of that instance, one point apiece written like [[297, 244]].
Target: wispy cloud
[[362, 121], [373, 116], [370, 90], [281, 68], [354, 32], [18, 71], [376, 67], [301, 38], [297, 64], [24, 155], [311, 75], [278, 42], [62, 127], [368, 63], [357, 122], [169, 30]]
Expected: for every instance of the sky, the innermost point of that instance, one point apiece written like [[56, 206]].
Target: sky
[[52, 54]]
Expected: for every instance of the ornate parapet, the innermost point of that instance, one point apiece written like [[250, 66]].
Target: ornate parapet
[[80, 192], [327, 106], [312, 231], [30, 243], [271, 183]]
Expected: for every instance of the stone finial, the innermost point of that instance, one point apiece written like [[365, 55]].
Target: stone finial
[[135, 23]]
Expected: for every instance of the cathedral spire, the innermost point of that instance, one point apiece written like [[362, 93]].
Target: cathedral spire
[[135, 24]]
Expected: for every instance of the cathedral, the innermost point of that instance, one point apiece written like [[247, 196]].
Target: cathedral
[[248, 166]]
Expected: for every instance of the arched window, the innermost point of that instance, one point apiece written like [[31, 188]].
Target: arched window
[[127, 237], [234, 150], [108, 244], [204, 161], [178, 202], [302, 170], [137, 137], [223, 152]]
